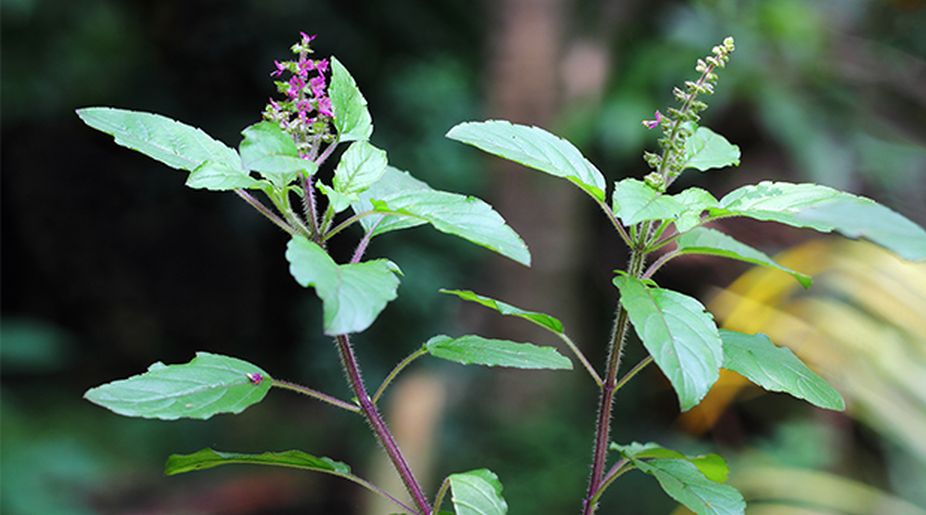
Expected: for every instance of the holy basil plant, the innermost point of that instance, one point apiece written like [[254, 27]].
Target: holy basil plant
[[677, 332], [276, 169]]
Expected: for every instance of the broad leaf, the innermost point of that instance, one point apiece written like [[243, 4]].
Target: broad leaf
[[702, 240], [393, 182], [685, 483], [173, 143], [541, 319], [825, 209], [360, 167], [706, 149], [208, 385], [208, 458], [634, 202], [477, 492], [351, 116], [271, 152], [221, 177], [776, 369], [353, 295], [711, 465], [476, 350], [460, 215], [535, 148], [679, 334]]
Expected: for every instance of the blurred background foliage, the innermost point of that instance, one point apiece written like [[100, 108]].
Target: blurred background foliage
[[109, 264]]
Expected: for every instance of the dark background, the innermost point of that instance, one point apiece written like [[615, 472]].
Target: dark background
[[110, 264]]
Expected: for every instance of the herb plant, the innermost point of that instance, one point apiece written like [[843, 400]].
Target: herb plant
[[279, 161]]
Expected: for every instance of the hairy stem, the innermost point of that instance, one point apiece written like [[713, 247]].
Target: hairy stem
[[396, 371], [633, 371], [615, 472], [581, 357], [364, 242], [315, 394], [264, 210], [615, 349], [311, 212], [663, 259], [349, 361], [439, 499]]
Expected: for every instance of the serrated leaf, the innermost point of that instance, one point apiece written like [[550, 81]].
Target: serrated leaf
[[476, 350], [208, 385], [679, 334], [825, 209], [173, 143], [393, 182], [541, 319], [351, 116], [703, 240], [682, 481], [352, 295], [711, 465], [535, 148], [459, 215], [208, 458], [268, 150], [634, 202], [706, 149], [221, 177], [776, 369], [361, 166], [477, 492]]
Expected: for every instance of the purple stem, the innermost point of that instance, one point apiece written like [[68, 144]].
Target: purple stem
[[310, 210], [264, 210], [379, 425], [362, 246]]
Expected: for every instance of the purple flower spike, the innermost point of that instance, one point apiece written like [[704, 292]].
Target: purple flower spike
[[280, 68], [306, 39], [652, 124], [255, 377]]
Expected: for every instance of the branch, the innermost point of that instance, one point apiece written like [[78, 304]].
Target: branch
[[264, 210], [396, 371], [315, 394]]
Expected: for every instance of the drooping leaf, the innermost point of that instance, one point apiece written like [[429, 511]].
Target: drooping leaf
[[208, 385], [541, 319], [634, 202], [776, 369], [535, 148], [360, 167], [353, 295], [703, 240], [221, 177], [459, 215], [706, 149], [173, 143], [271, 152], [351, 116], [679, 334], [825, 209], [476, 350], [684, 482], [711, 465], [208, 458], [393, 182], [477, 492]]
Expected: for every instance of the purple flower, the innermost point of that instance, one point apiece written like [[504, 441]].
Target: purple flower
[[324, 107], [652, 124], [318, 86], [296, 83], [255, 377], [322, 66], [280, 68], [306, 39], [305, 66]]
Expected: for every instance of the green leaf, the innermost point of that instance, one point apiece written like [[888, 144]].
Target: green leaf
[[459, 215], [173, 143], [711, 465], [477, 492], [360, 167], [339, 201], [351, 116], [271, 152], [476, 350], [679, 334], [535, 148], [825, 209], [776, 369], [208, 385], [634, 202], [706, 149], [541, 319], [208, 458], [393, 182], [702, 240], [685, 483], [221, 177], [353, 295]]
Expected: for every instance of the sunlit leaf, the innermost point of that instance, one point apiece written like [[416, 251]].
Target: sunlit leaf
[[541, 319], [684, 482], [477, 492], [271, 152], [208, 458], [706, 149], [361, 166], [634, 202], [711, 465], [393, 182], [351, 116], [476, 350]]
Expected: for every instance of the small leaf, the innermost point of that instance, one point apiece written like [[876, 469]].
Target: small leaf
[[535, 148], [541, 319], [351, 116], [679, 334], [711, 465], [682, 481], [221, 177], [702, 240], [706, 149], [173, 143], [825, 209], [776, 369], [360, 167], [634, 202], [393, 182], [271, 152], [208, 385], [476, 350], [208, 458], [353, 295], [477, 492], [339, 201]]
